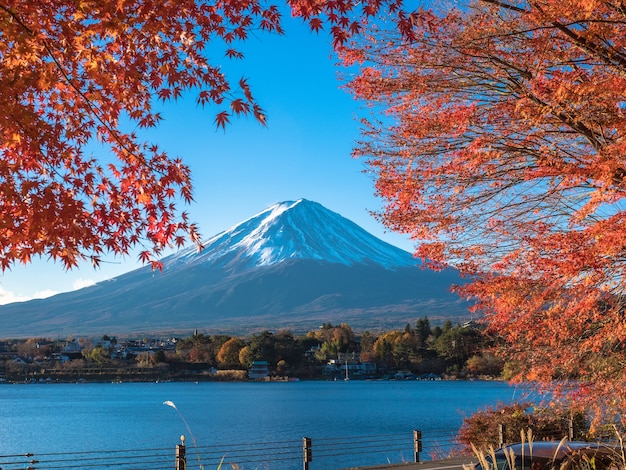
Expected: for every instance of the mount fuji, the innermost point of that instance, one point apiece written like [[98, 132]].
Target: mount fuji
[[294, 265]]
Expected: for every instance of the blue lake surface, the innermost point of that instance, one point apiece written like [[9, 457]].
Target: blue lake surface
[[228, 417]]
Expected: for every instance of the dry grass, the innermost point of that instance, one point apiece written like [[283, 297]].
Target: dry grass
[[614, 460]]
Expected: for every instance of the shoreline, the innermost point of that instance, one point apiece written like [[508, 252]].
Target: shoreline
[[103, 378]]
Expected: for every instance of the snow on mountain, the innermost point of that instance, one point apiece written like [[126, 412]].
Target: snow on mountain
[[299, 229]]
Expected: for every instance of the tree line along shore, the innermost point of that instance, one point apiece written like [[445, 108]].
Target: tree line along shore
[[419, 350]]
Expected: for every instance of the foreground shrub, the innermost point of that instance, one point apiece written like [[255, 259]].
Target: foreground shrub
[[483, 428]]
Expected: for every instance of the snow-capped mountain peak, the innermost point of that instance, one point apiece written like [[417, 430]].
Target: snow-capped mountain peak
[[294, 265], [299, 229]]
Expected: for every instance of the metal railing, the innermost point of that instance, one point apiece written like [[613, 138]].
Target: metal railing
[[307, 453], [119, 459]]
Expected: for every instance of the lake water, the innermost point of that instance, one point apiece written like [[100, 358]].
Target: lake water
[[353, 423]]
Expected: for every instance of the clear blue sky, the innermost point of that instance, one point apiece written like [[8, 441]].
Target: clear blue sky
[[304, 152]]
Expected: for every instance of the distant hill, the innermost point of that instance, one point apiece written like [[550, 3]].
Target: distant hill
[[294, 265]]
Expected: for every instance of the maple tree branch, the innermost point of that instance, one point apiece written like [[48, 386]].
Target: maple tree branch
[[506, 6], [567, 119], [16, 17], [592, 137], [89, 103], [95, 112], [616, 61], [619, 7]]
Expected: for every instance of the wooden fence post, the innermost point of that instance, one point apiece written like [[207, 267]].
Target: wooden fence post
[[181, 460], [417, 445], [307, 452], [502, 434]]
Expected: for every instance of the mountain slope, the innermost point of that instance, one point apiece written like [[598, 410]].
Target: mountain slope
[[294, 265]]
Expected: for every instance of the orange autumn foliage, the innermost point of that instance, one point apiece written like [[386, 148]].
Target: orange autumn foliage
[[73, 71], [501, 150]]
